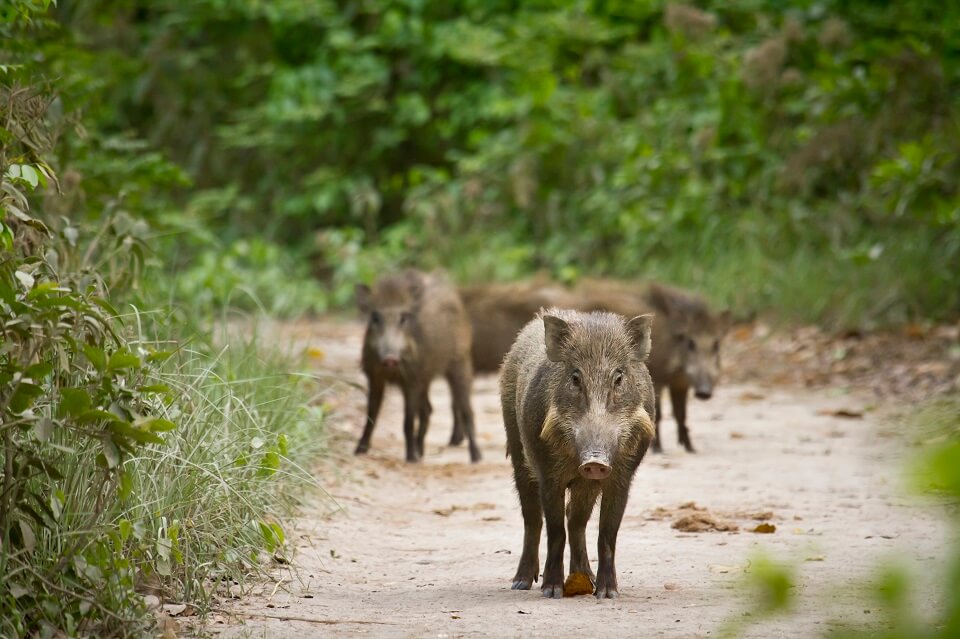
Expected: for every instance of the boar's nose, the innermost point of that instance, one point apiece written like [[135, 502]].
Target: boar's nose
[[390, 361], [703, 393], [595, 468]]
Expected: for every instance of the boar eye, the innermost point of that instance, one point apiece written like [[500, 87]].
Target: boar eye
[[617, 378], [405, 318], [691, 345], [576, 378], [376, 317], [716, 346]]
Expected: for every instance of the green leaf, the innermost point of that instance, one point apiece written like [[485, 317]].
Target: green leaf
[[159, 356], [29, 174], [269, 464], [126, 529], [24, 396], [39, 371], [154, 424], [105, 305], [74, 401], [123, 359], [154, 388], [95, 356], [95, 415]]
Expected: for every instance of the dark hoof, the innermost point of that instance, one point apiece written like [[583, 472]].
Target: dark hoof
[[413, 458], [554, 591], [606, 593], [521, 584], [361, 449], [655, 447], [689, 447], [456, 439], [475, 455]]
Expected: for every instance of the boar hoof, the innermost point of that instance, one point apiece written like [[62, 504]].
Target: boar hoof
[[413, 458], [362, 448], [521, 584], [554, 591], [655, 446], [688, 447], [606, 593], [456, 439]]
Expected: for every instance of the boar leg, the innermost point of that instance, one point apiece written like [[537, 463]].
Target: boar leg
[[528, 569], [425, 410], [583, 497], [374, 400], [612, 505], [412, 394], [456, 435], [460, 380], [552, 498], [655, 445], [678, 399]]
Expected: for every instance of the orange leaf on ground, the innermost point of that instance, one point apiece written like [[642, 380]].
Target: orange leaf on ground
[[765, 529]]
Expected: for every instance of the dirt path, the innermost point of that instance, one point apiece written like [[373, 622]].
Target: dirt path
[[429, 550]]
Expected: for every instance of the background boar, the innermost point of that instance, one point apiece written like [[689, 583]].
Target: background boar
[[499, 311], [577, 403], [686, 340], [417, 329]]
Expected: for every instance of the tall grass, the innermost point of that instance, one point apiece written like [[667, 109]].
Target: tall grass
[[208, 503]]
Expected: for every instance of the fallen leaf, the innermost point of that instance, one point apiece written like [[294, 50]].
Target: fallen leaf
[[841, 412], [814, 558], [492, 519], [454, 617], [316, 353], [671, 586], [752, 396], [765, 529], [763, 516], [523, 612], [577, 584], [737, 435], [702, 522]]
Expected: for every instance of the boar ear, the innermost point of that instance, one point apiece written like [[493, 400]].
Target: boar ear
[[639, 329], [362, 295], [555, 332]]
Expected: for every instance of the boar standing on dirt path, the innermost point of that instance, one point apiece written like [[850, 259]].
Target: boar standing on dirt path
[[686, 352], [417, 329], [577, 403]]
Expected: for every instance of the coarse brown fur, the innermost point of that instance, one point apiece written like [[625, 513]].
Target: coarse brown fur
[[417, 329], [575, 393]]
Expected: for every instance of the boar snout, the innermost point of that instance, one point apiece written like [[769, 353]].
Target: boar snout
[[391, 361], [703, 392], [595, 467]]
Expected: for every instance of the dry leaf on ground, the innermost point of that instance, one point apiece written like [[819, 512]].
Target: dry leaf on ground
[[702, 522], [765, 529]]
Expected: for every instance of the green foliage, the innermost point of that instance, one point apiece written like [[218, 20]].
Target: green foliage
[[725, 147], [249, 274], [126, 462]]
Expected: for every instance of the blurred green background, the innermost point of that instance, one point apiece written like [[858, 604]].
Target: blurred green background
[[795, 158]]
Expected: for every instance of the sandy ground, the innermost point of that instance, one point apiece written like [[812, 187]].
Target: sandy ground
[[429, 550]]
